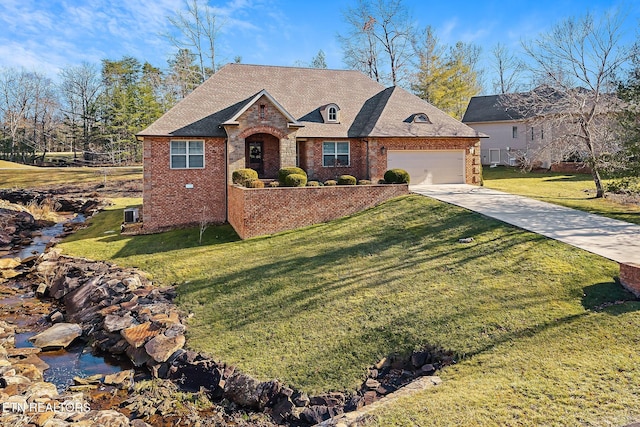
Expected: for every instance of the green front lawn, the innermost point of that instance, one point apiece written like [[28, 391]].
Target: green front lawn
[[574, 191], [528, 317], [13, 175]]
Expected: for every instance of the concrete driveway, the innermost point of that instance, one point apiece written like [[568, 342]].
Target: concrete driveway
[[616, 240]]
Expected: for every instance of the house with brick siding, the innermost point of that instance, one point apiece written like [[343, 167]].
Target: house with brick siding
[[328, 122]]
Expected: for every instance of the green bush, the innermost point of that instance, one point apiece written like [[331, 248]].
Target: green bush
[[274, 184], [284, 172], [295, 180], [330, 182], [346, 180], [626, 185], [242, 176], [364, 182], [254, 183], [396, 176], [313, 184]]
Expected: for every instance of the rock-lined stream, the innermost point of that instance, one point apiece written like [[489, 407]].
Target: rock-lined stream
[[45, 237], [76, 361]]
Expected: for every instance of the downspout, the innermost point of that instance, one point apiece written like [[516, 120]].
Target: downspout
[[226, 180], [368, 168]]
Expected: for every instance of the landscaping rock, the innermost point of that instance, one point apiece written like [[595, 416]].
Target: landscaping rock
[[60, 335], [115, 323], [161, 347], [243, 390], [41, 389], [9, 263], [108, 418], [138, 335], [122, 380]]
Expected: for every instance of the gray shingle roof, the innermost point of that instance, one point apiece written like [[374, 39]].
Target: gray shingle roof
[[366, 107], [490, 108]]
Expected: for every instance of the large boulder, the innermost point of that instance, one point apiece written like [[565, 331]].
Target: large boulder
[[60, 335], [161, 347]]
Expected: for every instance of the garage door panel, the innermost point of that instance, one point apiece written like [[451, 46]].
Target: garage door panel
[[429, 167]]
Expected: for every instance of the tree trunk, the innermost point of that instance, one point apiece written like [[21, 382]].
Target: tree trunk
[[597, 181]]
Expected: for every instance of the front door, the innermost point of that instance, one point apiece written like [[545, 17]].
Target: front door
[[254, 155]]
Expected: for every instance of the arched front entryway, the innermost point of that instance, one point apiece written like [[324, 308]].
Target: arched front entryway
[[262, 153]]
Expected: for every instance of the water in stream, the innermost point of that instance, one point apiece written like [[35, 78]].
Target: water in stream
[[75, 360], [47, 234], [21, 307]]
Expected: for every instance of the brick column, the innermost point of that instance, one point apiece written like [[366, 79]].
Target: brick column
[[630, 277]]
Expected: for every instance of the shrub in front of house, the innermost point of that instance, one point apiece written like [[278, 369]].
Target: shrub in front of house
[[313, 184], [346, 180], [396, 176], [274, 184], [295, 180], [364, 182], [284, 172], [242, 176], [330, 182], [254, 183]]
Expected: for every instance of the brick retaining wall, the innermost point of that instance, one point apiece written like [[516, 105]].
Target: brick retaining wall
[[630, 278], [257, 211], [570, 167]]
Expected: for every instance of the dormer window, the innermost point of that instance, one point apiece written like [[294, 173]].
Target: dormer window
[[421, 118], [330, 113]]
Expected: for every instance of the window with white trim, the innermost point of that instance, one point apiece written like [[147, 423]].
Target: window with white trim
[[332, 114], [335, 154], [514, 132], [187, 154]]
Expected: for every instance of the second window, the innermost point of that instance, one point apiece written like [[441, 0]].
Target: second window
[[335, 154]]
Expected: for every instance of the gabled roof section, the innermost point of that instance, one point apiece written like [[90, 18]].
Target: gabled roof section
[[395, 118], [491, 108], [366, 107], [292, 121]]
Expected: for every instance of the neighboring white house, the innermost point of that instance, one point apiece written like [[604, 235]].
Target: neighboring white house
[[511, 139]]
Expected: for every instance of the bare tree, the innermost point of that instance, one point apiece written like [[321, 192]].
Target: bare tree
[[44, 116], [198, 27], [360, 47], [578, 60], [379, 29], [80, 88], [27, 108], [508, 69], [16, 98]]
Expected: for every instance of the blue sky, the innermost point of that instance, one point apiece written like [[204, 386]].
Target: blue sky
[[47, 35]]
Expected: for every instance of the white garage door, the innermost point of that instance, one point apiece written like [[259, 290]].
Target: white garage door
[[429, 167]]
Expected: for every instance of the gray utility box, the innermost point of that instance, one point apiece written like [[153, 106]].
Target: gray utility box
[[131, 215]]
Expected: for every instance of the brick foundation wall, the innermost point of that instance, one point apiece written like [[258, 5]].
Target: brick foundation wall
[[257, 211], [570, 167], [167, 201], [630, 278]]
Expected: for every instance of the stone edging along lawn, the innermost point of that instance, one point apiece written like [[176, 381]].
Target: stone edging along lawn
[[122, 313]]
